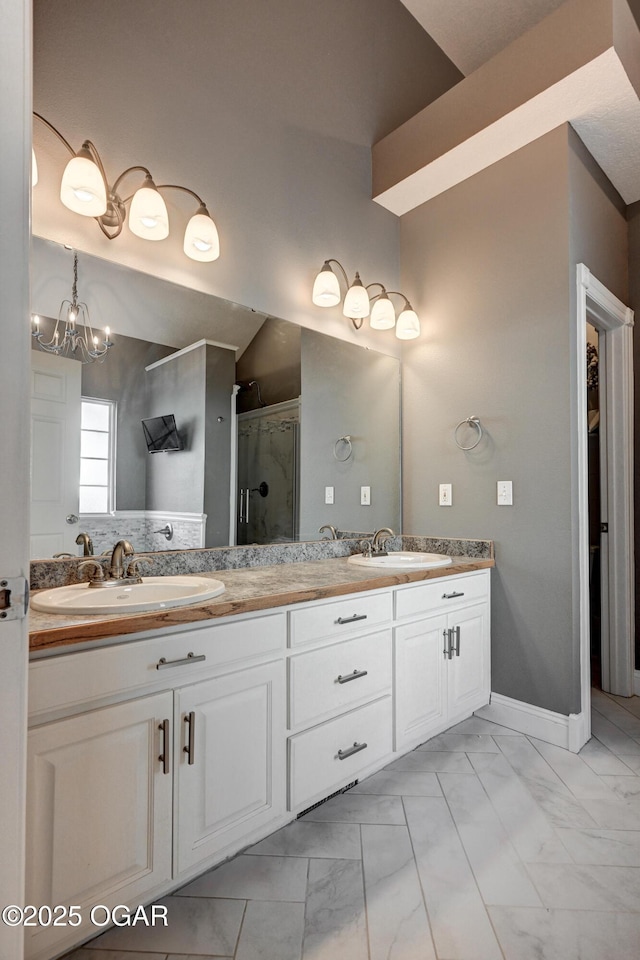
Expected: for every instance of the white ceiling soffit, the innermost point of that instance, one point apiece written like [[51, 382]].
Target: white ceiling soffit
[[581, 65], [470, 32]]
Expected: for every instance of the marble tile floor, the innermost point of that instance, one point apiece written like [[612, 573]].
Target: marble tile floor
[[482, 844]]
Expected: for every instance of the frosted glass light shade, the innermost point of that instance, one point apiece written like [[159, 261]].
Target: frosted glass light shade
[[34, 168], [383, 316], [356, 302], [83, 189], [408, 325], [201, 241], [326, 288], [148, 217]]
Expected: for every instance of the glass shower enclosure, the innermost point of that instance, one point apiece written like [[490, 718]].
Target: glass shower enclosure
[[268, 474]]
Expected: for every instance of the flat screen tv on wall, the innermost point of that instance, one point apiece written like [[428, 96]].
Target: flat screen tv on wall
[[161, 434]]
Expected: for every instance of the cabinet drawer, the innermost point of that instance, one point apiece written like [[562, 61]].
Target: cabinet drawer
[[437, 596], [337, 618], [315, 765], [79, 678], [337, 677]]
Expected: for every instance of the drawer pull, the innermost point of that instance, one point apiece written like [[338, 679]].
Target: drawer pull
[[349, 752], [190, 720], [164, 756], [356, 616], [352, 676], [449, 596], [163, 663]]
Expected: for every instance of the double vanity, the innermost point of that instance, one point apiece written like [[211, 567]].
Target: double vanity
[[162, 742]]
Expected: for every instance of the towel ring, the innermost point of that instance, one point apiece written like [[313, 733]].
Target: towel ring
[[342, 444], [472, 422]]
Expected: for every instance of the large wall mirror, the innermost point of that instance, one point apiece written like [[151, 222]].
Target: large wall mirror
[[283, 429]]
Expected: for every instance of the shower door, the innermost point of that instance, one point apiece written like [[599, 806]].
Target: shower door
[[268, 472]]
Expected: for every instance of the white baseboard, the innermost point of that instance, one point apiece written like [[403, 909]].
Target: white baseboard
[[636, 683], [570, 732]]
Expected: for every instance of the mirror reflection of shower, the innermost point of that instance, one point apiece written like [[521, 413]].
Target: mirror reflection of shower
[[268, 473]]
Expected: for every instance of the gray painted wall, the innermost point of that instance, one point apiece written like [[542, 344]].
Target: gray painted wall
[[492, 267], [273, 359], [487, 266], [122, 378], [599, 239], [220, 368], [196, 387], [348, 391], [267, 110], [175, 481]]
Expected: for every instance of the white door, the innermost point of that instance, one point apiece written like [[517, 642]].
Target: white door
[[55, 453], [230, 762], [98, 813]]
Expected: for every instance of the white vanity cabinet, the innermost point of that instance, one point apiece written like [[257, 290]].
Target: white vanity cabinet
[[127, 799], [152, 759], [441, 655], [99, 812], [340, 706]]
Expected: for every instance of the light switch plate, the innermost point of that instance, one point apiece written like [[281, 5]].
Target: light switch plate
[[505, 493], [446, 494], [328, 495], [365, 496]]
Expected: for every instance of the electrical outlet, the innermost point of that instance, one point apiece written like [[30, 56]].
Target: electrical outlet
[[446, 494], [505, 493], [365, 496], [328, 495]]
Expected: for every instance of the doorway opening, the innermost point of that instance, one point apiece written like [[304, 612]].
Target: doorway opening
[[596, 452], [606, 596]]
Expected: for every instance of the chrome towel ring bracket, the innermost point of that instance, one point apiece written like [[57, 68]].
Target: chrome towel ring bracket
[[342, 449], [476, 426]]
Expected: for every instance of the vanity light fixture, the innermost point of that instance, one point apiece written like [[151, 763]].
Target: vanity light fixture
[[69, 341], [86, 190], [356, 306]]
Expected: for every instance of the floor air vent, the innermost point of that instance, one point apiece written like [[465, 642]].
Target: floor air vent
[[336, 793]]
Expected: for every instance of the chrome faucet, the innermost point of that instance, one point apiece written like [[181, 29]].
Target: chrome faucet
[[84, 540], [332, 531], [379, 539], [121, 550]]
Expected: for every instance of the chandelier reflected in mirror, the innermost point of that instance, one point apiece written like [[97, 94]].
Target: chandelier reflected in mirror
[[73, 334]]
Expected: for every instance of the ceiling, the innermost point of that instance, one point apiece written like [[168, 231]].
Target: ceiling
[[530, 65], [470, 32]]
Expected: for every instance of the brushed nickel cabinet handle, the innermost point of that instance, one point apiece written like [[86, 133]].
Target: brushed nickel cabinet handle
[[163, 663], [356, 616], [164, 756], [352, 676], [447, 644], [190, 720], [349, 752], [450, 596], [456, 630]]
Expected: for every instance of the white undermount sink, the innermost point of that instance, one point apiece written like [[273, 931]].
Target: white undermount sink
[[154, 593], [402, 560]]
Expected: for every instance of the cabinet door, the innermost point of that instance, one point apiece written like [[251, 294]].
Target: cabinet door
[[230, 742], [98, 813], [469, 676], [420, 681]]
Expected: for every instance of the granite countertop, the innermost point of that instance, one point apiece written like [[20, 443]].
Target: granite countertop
[[247, 590]]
